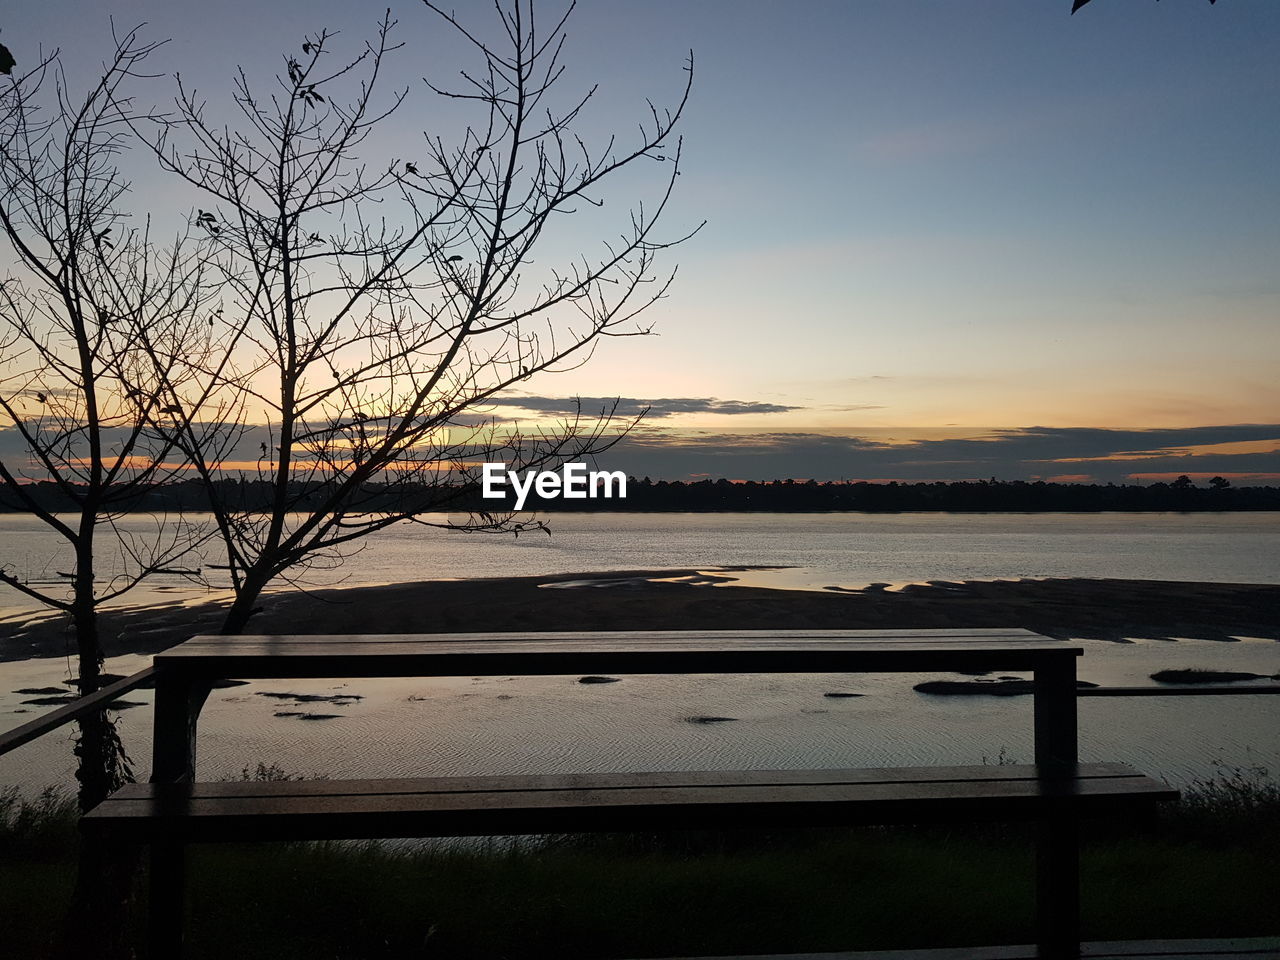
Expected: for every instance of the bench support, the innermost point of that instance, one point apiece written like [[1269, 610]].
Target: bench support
[[178, 703], [1058, 887], [1055, 717], [165, 909]]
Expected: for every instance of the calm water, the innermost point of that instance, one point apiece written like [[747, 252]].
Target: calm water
[[844, 549], [407, 727]]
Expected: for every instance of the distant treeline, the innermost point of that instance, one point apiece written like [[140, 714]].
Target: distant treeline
[[975, 495], [645, 495]]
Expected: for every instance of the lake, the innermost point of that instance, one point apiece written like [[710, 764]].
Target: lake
[[411, 727], [814, 550]]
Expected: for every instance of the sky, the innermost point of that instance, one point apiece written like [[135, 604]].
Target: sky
[[944, 240]]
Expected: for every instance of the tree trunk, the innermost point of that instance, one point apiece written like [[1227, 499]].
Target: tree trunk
[[242, 608], [97, 922], [103, 764]]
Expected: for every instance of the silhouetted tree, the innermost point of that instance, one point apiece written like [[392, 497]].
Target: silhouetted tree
[[369, 344], [962, 495], [101, 341], [86, 290]]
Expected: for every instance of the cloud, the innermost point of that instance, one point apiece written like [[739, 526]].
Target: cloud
[[1008, 454], [1245, 453], [630, 406]]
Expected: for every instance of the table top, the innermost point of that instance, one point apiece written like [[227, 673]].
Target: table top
[[633, 652]]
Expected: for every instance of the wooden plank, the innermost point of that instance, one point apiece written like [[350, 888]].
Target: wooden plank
[[516, 649], [606, 781], [1027, 952], [611, 639], [642, 805], [180, 804], [25, 733], [1257, 947], [1017, 952], [615, 652], [1236, 946], [388, 663], [679, 636], [378, 646], [383, 820], [718, 640], [1196, 690]]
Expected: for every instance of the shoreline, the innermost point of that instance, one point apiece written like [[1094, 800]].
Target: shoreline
[[704, 598]]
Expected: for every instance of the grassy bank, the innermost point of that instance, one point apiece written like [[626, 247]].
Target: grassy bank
[[1206, 870]]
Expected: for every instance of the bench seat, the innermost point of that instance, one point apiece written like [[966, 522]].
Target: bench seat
[[514, 805]]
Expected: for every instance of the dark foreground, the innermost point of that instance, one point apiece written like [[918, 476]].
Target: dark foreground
[[1206, 870]]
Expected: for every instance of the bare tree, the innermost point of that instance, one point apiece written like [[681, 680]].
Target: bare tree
[[375, 305], [86, 286]]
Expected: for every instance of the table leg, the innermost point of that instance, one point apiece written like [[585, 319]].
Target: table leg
[[1058, 833], [1055, 717], [178, 703], [1058, 887], [165, 899]]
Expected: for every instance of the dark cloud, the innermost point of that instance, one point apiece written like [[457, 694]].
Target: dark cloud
[[631, 406], [1030, 453], [1053, 443], [14, 451], [1008, 454]]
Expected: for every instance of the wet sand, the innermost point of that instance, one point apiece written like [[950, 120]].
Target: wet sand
[[1115, 610]]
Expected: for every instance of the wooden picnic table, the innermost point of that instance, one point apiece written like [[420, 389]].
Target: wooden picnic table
[[1054, 792], [185, 674]]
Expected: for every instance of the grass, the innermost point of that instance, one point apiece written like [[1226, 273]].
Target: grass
[[1207, 869], [37, 867]]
